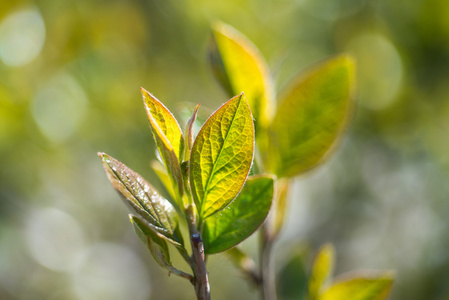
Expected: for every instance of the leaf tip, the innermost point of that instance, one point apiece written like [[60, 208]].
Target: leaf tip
[[104, 157], [131, 218], [144, 91], [217, 25]]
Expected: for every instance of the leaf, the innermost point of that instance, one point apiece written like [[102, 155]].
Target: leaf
[[161, 173], [315, 111], [189, 131], [142, 198], [221, 156], [239, 66], [157, 246], [360, 287], [321, 269], [292, 279], [242, 218], [166, 122], [169, 140]]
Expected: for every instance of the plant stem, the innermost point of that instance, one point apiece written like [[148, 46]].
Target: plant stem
[[182, 274], [202, 288], [201, 282], [268, 289]]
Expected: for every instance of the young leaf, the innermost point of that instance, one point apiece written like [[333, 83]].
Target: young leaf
[[321, 269], [142, 198], [189, 133], [166, 122], [239, 66], [169, 140], [161, 173], [314, 112], [244, 215], [157, 246], [360, 287], [221, 156]]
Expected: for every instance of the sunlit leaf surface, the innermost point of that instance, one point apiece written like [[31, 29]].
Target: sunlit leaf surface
[[166, 122], [242, 217], [239, 66], [314, 111], [360, 287], [142, 198], [169, 140], [321, 269], [221, 156]]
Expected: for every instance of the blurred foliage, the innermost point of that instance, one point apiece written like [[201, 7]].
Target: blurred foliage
[[70, 73]]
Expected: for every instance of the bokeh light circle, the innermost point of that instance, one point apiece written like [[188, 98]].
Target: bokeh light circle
[[54, 239], [59, 106], [113, 272], [22, 37]]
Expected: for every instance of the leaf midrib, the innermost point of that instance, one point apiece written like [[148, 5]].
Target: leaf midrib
[[219, 154]]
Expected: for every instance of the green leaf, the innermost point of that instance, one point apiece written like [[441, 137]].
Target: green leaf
[[360, 287], [157, 246], [169, 140], [321, 269], [221, 156], [315, 111], [242, 217], [142, 198], [189, 131], [292, 278], [239, 66]]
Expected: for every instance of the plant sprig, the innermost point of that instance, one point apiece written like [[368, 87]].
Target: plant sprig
[[215, 179]]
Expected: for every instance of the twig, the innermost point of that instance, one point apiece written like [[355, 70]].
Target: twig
[[201, 282], [202, 288]]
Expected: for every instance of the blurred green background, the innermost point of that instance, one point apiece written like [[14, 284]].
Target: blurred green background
[[70, 73]]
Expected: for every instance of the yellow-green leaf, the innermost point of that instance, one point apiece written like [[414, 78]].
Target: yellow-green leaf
[[242, 217], [221, 156], [239, 66], [360, 287], [169, 140], [161, 173], [142, 198], [321, 269], [166, 122], [315, 110]]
